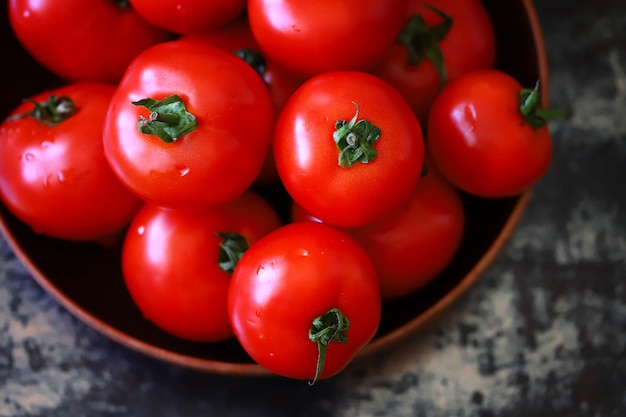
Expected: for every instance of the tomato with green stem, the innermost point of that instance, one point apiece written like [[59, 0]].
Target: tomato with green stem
[[189, 125], [83, 40], [177, 265], [441, 40], [488, 134], [304, 300], [53, 172], [348, 148]]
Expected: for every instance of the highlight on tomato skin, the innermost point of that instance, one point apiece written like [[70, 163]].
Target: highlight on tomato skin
[[291, 279]]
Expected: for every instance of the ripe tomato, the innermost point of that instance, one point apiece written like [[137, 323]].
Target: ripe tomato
[[441, 40], [53, 173], [382, 143], [304, 299], [82, 40], [177, 264], [189, 16], [217, 116], [488, 135], [311, 37], [413, 246]]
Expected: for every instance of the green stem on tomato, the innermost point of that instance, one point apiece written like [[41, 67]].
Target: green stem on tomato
[[51, 112], [231, 249], [422, 41], [355, 140], [254, 58], [169, 118], [331, 326], [529, 101]]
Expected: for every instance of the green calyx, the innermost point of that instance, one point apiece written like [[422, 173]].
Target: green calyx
[[331, 326], [422, 41], [529, 101], [169, 118], [231, 249], [355, 140], [254, 58], [51, 112]]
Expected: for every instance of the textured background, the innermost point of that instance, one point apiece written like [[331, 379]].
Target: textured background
[[543, 333]]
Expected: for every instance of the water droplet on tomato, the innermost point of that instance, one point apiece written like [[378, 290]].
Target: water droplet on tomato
[[29, 157], [182, 171], [141, 230], [260, 270]]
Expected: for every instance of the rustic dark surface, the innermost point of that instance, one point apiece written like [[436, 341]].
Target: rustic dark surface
[[543, 333]]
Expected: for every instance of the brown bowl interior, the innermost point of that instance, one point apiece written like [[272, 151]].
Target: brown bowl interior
[[87, 279]]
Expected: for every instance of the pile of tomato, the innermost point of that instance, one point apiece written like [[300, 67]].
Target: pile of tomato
[[371, 116]]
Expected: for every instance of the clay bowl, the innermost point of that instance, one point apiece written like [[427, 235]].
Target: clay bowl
[[87, 280]]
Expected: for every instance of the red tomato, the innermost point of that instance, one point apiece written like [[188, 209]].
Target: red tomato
[[189, 16], [82, 40], [53, 173], [414, 245], [290, 278], [311, 37], [441, 40], [373, 125], [173, 267], [481, 140], [219, 126]]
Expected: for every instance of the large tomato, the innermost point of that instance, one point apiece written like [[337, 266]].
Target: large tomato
[[348, 148], [310, 37], [189, 125], [189, 16], [304, 300], [53, 173], [441, 40], [488, 134], [177, 264], [83, 40]]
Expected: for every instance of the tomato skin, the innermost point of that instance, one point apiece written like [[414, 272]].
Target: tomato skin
[[189, 16], [414, 245], [469, 44], [481, 142], [108, 36], [170, 264], [288, 278], [237, 35], [216, 162], [306, 155], [280, 82], [311, 37], [56, 178]]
